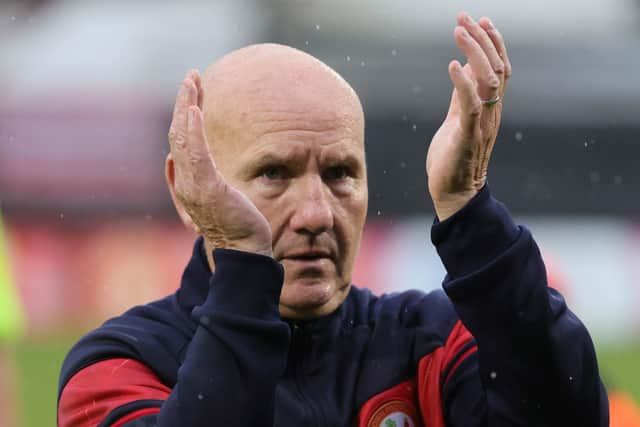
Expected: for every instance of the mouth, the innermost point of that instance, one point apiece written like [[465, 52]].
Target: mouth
[[309, 258]]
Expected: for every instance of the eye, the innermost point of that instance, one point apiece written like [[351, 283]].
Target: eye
[[273, 173], [336, 173]]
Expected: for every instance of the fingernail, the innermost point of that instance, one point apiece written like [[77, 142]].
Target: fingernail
[[491, 24], [468, 19]]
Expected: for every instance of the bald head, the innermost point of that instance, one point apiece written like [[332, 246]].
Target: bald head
[[288, 132], [264, 80]]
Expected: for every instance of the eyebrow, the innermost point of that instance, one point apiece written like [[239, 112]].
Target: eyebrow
[[293, 158]]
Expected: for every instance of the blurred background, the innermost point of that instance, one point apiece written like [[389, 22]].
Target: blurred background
[[87, 90]]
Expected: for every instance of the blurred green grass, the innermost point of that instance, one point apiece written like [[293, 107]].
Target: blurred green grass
[[38, 364]]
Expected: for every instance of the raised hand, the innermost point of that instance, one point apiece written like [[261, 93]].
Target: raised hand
[[459, 153], [222, 214]]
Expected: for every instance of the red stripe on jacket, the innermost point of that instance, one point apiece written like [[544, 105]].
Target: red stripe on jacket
[[431, 368], [95, 391]]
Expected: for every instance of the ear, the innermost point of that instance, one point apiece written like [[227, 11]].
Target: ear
[[170, 175]]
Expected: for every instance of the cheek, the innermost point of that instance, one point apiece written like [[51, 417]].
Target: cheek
[[350, 219]]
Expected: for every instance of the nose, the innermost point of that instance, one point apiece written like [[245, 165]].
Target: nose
[[312, 210]]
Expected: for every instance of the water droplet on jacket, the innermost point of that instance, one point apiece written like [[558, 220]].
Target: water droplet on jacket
[[205, 320]]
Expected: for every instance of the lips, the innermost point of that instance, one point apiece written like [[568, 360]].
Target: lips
[[308, 257]]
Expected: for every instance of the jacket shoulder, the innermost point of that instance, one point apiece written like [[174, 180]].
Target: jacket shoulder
[[155, 334]]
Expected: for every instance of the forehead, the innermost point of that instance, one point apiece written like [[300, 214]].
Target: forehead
[[294, 137], [290, 130]]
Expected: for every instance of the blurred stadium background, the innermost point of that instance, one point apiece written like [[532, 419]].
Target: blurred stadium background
[[87, 90]]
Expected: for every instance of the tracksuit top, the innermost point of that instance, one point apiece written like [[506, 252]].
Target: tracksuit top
[[495, 347]]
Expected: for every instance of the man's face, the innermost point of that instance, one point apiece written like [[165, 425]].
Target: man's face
[[304, 169]]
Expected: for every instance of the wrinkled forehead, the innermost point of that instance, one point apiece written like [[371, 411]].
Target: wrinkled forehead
[[252, 119]]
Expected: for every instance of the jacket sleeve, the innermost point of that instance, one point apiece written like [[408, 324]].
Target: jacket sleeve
[[231, 367], [535, 363]]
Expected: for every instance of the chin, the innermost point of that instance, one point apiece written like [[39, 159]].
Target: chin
[[310, 297]]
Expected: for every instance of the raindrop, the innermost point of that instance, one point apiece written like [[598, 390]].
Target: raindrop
[[61, 216], [362, 64], [348, 58], [13, 18], [414, 127], [379, 213], [394, 52], [317, 26], [200, 396], [384, 171], [586, 143], [493, 375], [403, 165], [570, 378], [204, 320], [594, 177], [306, 43], [518, 136]]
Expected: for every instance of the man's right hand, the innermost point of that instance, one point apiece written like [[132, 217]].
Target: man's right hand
[[223, 215]]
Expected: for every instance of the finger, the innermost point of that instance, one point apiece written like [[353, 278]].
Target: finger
[[467, 97], [482, 38], [178, 128], [197, 79], [498, 42], [198, 151], [487, 79]]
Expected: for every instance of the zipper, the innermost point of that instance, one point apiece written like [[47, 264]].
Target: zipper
[[301, 340]]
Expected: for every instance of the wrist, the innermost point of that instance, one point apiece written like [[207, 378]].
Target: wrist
[[243, 245], [448, 204]]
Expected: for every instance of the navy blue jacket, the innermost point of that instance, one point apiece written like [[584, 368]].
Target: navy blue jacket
[[496, 348]]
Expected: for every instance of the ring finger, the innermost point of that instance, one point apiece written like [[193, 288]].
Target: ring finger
[[487, 80], [482, 38]]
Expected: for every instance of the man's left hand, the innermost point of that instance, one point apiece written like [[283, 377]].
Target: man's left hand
[[459, 153]]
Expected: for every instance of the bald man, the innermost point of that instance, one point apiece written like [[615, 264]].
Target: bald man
[[267, 165]]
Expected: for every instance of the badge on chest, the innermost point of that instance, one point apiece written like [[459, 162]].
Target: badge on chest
[[395, 407]]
